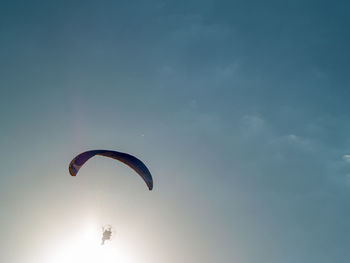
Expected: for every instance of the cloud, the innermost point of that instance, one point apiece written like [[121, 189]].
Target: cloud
[[253, 122], [299, 141], [346, 158]]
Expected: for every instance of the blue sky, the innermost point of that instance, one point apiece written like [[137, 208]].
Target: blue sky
[[239, 108]]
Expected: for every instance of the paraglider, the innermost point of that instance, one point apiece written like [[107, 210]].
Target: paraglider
[[137, 165]]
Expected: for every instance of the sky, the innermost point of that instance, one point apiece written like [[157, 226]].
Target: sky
[[240, 109]]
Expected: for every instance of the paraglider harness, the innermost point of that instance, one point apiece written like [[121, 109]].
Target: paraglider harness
[[107, 233]]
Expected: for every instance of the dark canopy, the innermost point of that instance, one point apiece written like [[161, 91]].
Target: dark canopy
[[128, 159]]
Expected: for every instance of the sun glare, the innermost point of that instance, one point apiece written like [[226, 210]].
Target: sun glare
[[85, 246]]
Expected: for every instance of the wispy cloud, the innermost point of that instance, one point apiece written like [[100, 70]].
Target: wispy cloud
[[253, 122], [346, 158]]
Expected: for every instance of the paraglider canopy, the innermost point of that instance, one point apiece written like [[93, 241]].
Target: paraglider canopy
[[137, 165]]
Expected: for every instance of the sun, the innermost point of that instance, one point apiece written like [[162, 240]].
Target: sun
[[85, 246]]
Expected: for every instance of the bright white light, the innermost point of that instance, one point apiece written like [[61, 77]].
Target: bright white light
[[85, 246]]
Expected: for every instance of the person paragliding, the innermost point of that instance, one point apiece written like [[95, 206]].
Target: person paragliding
[[137, 165], [107, 234]]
